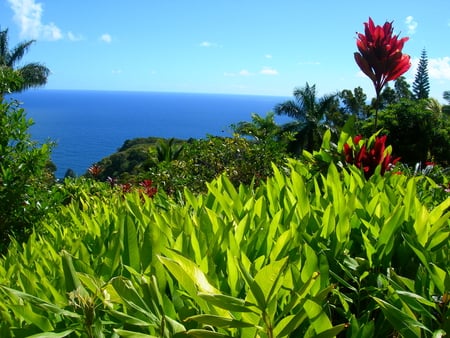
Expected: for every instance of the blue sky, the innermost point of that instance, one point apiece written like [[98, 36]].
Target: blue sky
[[221, 46]]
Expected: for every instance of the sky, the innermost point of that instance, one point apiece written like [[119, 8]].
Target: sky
[[251, 47]]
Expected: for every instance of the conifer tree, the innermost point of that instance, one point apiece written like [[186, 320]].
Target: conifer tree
[[421, 85]]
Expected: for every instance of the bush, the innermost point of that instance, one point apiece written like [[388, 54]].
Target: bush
[[301, 255], [25, 175]]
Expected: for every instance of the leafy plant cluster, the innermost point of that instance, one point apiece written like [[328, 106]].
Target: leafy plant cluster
[[26, 175], [301, 255]]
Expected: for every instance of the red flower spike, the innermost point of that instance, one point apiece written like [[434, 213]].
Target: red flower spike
[[368, 159], [380, 54]]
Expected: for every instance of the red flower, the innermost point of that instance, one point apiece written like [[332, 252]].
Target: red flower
[[380, 54], [369, 159], [148, 188], [95, 170]]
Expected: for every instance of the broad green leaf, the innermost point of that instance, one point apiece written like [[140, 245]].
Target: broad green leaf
[[70, 275], [191, 271], [270, 277], [128, 319], [440, 278], [332, 332], [52, 334], [317, 316], [130, 255], [218, 321], [36, 301], [199, 333], [386, 240], [421, 225], [228, 302], [407, 326], [255, 289], [31, 317], [289, 323], [131, 334]]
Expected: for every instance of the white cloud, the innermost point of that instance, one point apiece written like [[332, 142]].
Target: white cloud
[[411, 24], [244, 72], [268, 71], [116, 71], [106, 38], [74, 37], [208, 44], [268, 56], [28, 15], [439, 68]]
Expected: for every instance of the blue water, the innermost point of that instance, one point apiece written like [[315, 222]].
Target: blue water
[[90, 125]]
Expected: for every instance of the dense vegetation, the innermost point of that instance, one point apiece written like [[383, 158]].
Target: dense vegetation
[[335, 224]]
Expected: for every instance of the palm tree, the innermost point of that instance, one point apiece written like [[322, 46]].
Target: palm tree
[[32, 74], [311, 116]]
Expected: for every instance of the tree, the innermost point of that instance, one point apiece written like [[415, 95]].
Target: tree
[[25, 178], [354, 102], [446, 108], [421, 84], [31, 74], [312, 116], [417, 131]]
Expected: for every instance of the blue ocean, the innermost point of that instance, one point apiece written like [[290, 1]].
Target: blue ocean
[[90, 125]]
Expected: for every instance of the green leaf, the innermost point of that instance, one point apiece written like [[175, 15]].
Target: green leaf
[[52, 334], [27, 313], [406, 325], [130, 253], [218, 321], [269, 278], [289, 323], [228, 302], [255, 289], [317, 316], [205, 334], [131, 334], [70, 275], [332, 332]]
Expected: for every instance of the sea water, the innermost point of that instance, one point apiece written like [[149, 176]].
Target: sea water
[[90, 125]]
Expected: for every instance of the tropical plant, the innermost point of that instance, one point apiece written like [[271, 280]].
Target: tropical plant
[[32, 74], [416, 133], [311, 115], [380, 56], [369, 154], [25, 180], [168, 150], [302, 255]]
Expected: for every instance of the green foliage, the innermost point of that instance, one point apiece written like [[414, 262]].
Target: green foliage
[[25, 195], [28, 75], [242, 160], [415, 133], [312, 117], [302, 255], [421, 84]]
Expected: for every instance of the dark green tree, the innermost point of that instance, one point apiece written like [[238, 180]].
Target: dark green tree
[[311, 116], [417, 131], [421, 84], [25, 177], [31, 74], [354, 103], [446, 107]]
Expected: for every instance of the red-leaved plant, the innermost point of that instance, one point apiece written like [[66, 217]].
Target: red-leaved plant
[[369, 154], [380, 56]]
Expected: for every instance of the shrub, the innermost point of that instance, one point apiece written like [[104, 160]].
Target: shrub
[[301, 255], [25, 177]]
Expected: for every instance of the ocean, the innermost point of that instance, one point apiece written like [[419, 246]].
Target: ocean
[[90, 125]]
